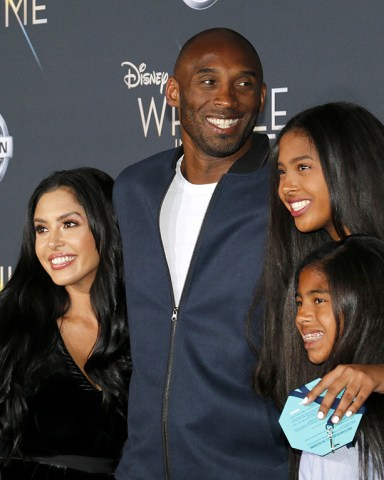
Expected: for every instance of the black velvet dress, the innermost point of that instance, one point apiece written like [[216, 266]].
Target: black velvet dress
[[67, 435]]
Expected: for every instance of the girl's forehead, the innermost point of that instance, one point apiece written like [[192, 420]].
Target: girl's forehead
[[312, 278]]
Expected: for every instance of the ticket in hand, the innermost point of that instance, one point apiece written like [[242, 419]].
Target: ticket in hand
[[305, 431]]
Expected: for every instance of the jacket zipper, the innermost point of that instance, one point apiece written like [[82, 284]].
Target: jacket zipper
[[174, 317], [167, 384], [166, 392]]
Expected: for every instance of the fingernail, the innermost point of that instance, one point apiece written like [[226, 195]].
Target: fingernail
[[320, 415], [335, 419], [305, 401], [348, 414]]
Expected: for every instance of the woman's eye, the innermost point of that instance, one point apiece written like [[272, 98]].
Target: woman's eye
[[280, 171], [40, 229], [70, 224]]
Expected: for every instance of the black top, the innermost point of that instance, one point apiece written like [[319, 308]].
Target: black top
[[67, 430]]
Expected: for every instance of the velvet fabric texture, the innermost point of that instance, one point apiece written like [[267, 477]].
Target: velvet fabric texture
[[68, 434]]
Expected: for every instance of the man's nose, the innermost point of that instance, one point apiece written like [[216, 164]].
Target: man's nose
[[226, 96]]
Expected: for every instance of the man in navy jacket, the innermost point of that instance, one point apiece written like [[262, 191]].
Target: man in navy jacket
[[193, 223]]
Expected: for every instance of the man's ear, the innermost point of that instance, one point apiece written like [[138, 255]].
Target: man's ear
[[172, 92]]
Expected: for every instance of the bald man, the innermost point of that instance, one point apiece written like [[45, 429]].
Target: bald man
[[193, 222]]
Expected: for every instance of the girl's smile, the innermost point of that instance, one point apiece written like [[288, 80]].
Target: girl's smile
[[314, 318], [302, 187]]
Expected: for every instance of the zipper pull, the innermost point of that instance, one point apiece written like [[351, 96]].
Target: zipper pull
[[174, 314]]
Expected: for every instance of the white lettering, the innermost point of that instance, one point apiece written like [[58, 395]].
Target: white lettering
[[36, 8], [138, 76], [155, 113], [2, 280], [152, 110], [274, 114], [175, 123], [10, 3], [3, 147], [20, 10], [6, 146], [277, 113], [295, 411]]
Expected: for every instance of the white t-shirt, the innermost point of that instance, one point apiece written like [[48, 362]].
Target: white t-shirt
[[342, 464], [181, 216]]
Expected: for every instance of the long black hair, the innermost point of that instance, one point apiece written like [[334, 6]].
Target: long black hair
[[31, 304], [350, 144], [354, 269]]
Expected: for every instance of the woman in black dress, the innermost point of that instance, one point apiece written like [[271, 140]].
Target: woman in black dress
[[64, 347]]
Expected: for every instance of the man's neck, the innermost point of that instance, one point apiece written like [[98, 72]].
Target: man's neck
[[199, 168], [201, 173]]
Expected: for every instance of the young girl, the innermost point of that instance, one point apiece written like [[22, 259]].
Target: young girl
[[340, 318]]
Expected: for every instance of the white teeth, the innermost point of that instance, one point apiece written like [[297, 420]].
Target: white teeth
[[61, 260], [296, 206], [311, 337], [223, 122]]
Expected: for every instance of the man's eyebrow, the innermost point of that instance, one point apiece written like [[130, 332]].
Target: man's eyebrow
[[251, 73], [207, 70]]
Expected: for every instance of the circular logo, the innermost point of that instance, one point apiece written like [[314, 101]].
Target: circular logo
[[199, 4], [6, 147]]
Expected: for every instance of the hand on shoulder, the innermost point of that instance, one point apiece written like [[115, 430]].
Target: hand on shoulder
[[359, 381]]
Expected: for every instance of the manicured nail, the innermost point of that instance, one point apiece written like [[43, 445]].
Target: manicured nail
[[320, 415], [305, 401], [335, 419], [348, 414]]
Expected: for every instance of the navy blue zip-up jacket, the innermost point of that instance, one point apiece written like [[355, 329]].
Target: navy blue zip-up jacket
[[192, 414]]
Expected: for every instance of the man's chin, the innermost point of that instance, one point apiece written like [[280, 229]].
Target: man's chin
[[224, 148]]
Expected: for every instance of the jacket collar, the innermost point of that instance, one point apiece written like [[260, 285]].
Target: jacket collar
[[248, 163]]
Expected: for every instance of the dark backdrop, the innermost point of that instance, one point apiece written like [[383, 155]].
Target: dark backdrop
[[82, 81]]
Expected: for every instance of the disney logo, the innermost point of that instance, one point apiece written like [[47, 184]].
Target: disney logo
[[138, 76]]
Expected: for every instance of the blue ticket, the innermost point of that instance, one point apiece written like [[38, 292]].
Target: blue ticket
[[305, 431]]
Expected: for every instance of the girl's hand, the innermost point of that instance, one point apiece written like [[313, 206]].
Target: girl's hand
[[358, 380]]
